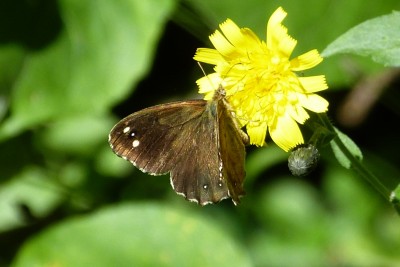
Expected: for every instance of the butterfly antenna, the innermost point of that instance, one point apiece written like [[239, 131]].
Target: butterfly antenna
[[202, 69], [205, 75]]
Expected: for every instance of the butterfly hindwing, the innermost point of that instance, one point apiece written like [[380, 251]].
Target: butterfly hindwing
[[232, 151], [198, 174]]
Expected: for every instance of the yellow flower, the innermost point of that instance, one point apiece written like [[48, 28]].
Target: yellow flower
[[260, 80]]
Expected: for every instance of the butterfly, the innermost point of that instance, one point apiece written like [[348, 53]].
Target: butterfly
[[197, 141]]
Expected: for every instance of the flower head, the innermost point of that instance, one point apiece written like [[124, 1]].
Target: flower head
[[260, 80]]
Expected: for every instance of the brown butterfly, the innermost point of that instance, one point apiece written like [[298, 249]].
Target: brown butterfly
[[198, 142]]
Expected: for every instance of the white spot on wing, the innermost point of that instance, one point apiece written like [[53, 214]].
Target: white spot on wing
[[221, 167], [172, 183], [193, 200], [206, 203], [135, 143], [126, 129]]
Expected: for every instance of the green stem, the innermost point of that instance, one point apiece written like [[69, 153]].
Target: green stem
[[356, 163]]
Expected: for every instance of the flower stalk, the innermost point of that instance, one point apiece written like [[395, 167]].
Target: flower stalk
[[355, 162]]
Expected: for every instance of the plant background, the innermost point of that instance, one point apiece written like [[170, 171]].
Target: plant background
[[69, 70]]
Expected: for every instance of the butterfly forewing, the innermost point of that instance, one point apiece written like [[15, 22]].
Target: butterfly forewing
[[148, 138]]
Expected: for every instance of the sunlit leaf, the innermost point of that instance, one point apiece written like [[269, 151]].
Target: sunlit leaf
[[32, 189], [134, 235], [349, 145], [105, 48], [377, 38]]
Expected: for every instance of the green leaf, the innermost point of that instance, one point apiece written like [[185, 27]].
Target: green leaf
[[105, 48], [377, 38], [78, 134], [134, 235], [349, 145], [34, 188]]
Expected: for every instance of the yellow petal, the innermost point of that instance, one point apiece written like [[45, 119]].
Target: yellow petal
[[232, 33], [251, 39], [286, 45], [275, 30], [298, 113], [313, 84], [207, 55], [257, 133], [276, 18], [286, 134], [314, 103], [306, 61], [223, 46], [208, 84]]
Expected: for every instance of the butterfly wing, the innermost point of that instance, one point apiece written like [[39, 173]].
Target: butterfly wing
[[232, 151], [180, 138], [149, 138]]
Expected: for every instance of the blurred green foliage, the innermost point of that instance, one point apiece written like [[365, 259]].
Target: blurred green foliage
[[70, 69]]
